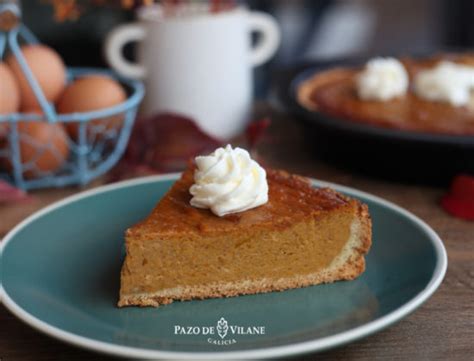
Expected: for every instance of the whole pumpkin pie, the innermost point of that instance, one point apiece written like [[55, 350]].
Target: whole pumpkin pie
[[333, 92], [301, 236]]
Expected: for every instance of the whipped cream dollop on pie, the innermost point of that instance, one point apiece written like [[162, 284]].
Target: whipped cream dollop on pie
[[228, 181], [382, 79], [447, 82]]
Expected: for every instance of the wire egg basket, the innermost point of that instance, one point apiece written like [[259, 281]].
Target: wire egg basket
[[101, 136]]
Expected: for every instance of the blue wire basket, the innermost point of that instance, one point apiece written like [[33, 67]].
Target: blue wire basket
[[97, 146]]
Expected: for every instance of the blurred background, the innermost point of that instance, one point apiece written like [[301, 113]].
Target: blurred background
[[310, 29], [312, 33], [430, 174]]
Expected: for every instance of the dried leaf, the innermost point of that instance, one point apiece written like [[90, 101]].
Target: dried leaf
[[163, 143], [10, 194], [459, 201]]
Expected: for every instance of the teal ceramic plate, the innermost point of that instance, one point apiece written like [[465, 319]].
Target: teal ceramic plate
[[60, 274]]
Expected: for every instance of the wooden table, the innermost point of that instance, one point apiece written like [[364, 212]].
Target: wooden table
[[442, 329]]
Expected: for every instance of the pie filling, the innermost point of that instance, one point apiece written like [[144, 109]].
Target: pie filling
[[298, 250]]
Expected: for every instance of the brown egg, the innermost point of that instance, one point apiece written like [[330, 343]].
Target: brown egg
[[9, 95], [48, 69], [9, 91], [91, 93], [43, 143]]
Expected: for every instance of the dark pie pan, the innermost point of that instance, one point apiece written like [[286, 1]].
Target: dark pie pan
[[392, 154]]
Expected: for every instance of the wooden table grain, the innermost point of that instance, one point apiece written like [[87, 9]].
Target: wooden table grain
[[441, 329]]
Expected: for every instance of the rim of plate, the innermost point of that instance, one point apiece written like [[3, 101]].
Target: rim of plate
[[267, 352]]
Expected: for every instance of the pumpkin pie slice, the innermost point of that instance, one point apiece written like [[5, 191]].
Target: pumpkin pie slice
[[302, 236]]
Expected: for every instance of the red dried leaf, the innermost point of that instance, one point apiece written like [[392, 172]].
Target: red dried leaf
[[460, 199], [255, 131], [163, 143], [10, 194]]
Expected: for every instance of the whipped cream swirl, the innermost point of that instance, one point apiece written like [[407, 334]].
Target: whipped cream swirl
[[448, 82], [228, 181], [382, 79]]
